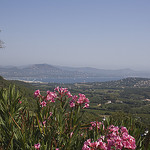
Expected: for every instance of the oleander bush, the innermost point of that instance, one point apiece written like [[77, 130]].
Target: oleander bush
[[56, 124]]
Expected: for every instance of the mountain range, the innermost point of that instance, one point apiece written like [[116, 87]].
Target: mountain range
[[38, 72]]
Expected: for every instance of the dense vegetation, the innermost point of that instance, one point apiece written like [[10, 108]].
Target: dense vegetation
[[21, 112], [131, 96]]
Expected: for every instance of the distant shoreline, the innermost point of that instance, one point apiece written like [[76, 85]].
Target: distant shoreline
[[66, 80]]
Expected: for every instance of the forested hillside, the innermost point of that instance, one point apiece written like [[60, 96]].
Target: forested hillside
[[127, 106], [130, 95]]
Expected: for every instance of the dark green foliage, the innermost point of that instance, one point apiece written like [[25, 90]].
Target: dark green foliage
[[10, 114]]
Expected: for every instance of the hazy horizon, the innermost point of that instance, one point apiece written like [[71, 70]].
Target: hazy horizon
[[82, 33], [69, 66]]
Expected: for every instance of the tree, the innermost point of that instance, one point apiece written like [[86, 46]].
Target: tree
[[1, 43]]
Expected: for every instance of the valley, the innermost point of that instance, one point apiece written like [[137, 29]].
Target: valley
[[129, 96]]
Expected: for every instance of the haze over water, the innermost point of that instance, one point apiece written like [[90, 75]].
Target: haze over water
[[101, 34]]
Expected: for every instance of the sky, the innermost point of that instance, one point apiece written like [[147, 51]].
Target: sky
[[105, 34]]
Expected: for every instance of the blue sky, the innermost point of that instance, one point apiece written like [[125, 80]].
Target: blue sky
[[108, 34]]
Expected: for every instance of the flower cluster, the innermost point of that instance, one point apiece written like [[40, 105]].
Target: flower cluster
[[110, 138], [79, 101], [96, 124], [59, 95], [115, 137], [63, 92], [19, 101], [50, 97], [99, 144], [37, 146], [37, 93]]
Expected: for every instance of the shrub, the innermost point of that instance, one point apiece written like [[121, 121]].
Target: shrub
[[56, 124]]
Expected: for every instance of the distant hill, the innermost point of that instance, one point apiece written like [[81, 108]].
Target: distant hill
[[102, 72], [39, 72]]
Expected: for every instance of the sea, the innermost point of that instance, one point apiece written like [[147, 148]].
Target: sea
[[67, 80], [80, 80]]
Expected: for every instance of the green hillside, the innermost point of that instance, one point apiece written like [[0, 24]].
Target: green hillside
[[26, 90], [38, 118], [106, 98]]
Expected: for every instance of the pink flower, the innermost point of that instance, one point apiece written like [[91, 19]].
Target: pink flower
[[81, 98], [129, 142], [73, 101], [71, 134], [37, 93], [75, 97], [125, 136], [72, 104], [57, 89], [50, 114], [19, 102], [44, 122], [57, 148], [124, 129], [115, 138], [86, 100], [96, 124], [88, 145], [48, 92], [51, 96], [91, 128], [61, 90], [43, 103], [86, 105], [37, 146], [69, 94]]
